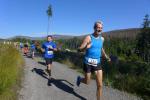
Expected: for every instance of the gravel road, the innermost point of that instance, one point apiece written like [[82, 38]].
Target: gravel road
[[35, 85]]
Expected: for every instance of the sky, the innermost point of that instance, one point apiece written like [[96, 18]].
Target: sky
[[69, 17]]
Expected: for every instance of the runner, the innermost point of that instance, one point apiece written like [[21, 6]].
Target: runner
[[26, 49], [93, 44], [21, 46], [32, 49], [48, 49]]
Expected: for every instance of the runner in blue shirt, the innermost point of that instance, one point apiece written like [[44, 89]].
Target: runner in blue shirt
[[21, 45], [48, 49], [32, 49], [93, 44]]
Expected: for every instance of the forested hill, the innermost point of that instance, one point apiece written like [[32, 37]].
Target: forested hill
[[123, 33], [1, 39]]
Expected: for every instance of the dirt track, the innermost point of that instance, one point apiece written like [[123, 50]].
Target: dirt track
[[63, 87]]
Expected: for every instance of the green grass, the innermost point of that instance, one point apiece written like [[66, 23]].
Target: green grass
[[10, 71]]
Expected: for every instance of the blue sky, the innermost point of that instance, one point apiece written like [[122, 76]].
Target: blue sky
[[70, 17]]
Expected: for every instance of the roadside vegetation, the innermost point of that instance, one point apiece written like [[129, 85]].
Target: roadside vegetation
[[11, 63]]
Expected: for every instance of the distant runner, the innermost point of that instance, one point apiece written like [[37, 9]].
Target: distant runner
[[21, 46], [32, 49], [26, 49]]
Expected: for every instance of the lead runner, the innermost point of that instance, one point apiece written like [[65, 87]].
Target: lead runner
[[93, 44]]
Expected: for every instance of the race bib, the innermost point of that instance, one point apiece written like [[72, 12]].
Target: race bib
[[49, 52], [92, 61]]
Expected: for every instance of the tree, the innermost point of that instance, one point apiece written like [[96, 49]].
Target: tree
[[146, 23], [49, 13], [143, 40]]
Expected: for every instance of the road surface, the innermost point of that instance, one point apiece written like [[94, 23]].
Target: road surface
[[35, 84]]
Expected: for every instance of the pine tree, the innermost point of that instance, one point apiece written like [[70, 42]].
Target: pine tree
[[49, 13], [143, 40]]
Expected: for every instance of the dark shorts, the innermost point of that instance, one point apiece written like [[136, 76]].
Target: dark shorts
[[89, 68], [48, 61]]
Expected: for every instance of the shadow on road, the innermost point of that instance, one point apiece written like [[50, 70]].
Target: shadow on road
[[40, 72], [59, 83], [42, 63]]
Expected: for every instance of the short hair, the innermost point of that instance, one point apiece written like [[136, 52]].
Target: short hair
[[49, 36], [97, 22]]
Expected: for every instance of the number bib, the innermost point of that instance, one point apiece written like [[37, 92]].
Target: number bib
[[50, 52], [92, 61]]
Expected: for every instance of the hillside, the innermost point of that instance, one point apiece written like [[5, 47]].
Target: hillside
[[1, 40], [122, 33], [42, 38], [130, 33]]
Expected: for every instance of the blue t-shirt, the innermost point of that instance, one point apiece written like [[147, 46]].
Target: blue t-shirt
[[93, 54], [32, 46], [48, 46], [21, 45]]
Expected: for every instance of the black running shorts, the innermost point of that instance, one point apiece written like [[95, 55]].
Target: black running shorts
[[89, 68], [48, 61]]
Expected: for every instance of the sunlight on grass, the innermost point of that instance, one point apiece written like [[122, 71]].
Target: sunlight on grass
[[10, 70]]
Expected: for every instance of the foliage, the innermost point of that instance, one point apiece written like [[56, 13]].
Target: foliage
[[23, 40], [143, 41], [72, 43]]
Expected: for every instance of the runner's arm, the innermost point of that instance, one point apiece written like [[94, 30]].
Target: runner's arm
[[43, 50], [84, 43], [105, 55], [103, 51], [55, 49]]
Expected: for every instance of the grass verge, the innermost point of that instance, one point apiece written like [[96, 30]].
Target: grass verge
[[11, 63]]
